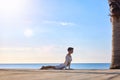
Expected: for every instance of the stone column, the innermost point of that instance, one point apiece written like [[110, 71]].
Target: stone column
[[115, 20]]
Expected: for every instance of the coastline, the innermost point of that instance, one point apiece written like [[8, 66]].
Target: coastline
[[39, 65], [35, 74]]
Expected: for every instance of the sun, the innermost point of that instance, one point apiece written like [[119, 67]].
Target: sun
[[11, 7], [28, 33]]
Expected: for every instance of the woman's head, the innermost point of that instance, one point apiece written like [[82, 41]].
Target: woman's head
[[70, 50]]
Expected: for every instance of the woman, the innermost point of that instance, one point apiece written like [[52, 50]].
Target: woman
[[64, 65]]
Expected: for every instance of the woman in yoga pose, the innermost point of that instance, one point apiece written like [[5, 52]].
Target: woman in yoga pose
[[64, 65]]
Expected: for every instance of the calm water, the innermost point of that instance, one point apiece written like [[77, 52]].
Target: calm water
[[73, 66]]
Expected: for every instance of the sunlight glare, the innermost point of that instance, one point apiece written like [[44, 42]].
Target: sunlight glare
[[28, 33], [11, 7]]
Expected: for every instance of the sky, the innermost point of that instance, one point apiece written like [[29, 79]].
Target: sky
[[40, 31]]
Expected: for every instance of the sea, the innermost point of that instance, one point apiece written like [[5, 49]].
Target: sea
[[39, 65]]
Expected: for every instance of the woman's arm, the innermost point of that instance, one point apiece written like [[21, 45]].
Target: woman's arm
[[68, 65]]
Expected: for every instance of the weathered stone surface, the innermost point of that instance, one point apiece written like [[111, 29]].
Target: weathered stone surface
[[59, 74], [114, 7], [115, 19]]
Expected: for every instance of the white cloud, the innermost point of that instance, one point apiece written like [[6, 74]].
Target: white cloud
[[60, 23], [67, 24]]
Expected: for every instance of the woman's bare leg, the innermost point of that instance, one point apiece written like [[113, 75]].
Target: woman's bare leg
[[47, 67]]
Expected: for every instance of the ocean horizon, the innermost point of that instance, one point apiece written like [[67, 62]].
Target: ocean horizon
[[39, 65]]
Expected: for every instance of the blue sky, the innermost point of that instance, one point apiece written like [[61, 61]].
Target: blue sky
[[39, 31]]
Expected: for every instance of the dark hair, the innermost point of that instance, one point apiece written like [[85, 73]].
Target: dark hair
[[70, 48]]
